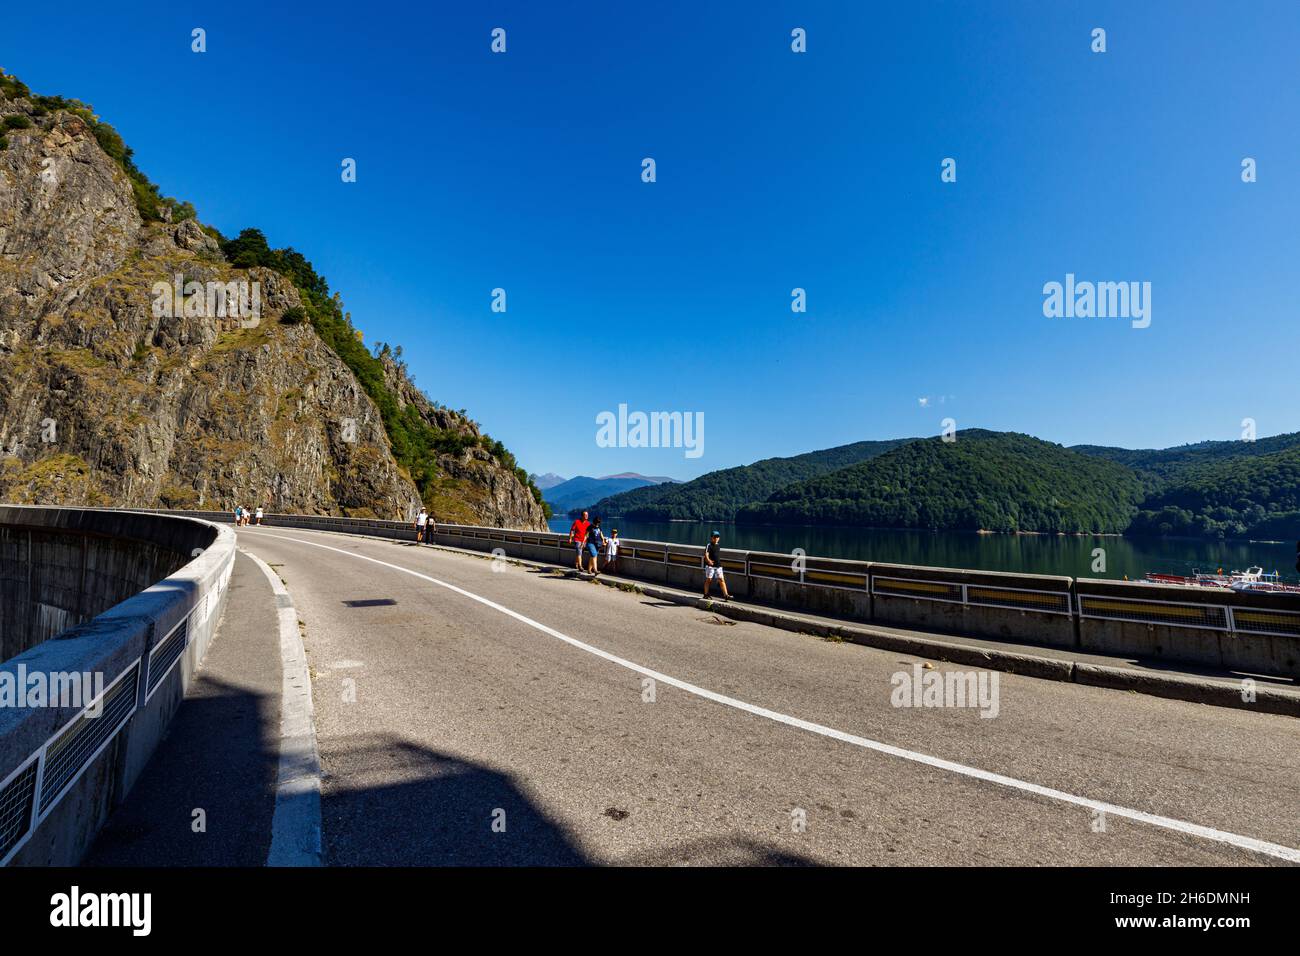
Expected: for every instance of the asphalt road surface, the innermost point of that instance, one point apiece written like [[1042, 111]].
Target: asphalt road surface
[[509, 719]]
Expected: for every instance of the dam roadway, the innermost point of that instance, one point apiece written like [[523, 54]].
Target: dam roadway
[[466, 715]]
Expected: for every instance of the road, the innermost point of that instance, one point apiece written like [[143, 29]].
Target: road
[[505, 717]]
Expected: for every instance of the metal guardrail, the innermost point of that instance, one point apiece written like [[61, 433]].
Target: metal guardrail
[[1145, 611], [1229, 618], [1256, 621], [1062, 599], [1045, 600], [1023, 599], [68, 753], [31, 791], [946, 591], [17, 804], [778, 571], [164, 656], [840, 580]]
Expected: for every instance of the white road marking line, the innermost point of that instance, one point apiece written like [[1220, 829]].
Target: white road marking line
[[1289, 854], [295, 824]]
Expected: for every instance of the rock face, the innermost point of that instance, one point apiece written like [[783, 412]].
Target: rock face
[[115, 390]]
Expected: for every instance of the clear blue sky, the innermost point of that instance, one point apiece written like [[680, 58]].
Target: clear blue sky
[[775, 170]]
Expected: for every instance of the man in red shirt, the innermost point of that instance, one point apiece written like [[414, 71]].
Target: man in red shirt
[[578, 534]]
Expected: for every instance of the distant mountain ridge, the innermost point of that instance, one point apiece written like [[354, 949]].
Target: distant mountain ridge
[[581, 491], [548, 480], [653, 479]]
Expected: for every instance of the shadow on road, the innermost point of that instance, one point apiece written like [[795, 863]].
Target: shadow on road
[[219, 757], [439, 810], [720, 851], [392, 802]]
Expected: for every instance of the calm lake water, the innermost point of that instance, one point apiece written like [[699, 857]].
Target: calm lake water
[[1029, 554]]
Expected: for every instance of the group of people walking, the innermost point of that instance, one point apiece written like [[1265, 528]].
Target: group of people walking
[[591, 542], [243, 516]]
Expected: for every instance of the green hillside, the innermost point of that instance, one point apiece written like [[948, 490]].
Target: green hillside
[[1248, 496], [1165, 463], [983, 481], [717, 495]]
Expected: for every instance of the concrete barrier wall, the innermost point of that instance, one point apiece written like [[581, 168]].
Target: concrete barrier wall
[[65, 767], [1254, 632], [1017, 607], [52, 578]]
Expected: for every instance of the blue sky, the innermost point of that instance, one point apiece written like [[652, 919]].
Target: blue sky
[[775, 170]]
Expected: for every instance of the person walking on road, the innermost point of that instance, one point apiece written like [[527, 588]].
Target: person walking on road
[[258, 516], [595, 544], [578, 535], [713, 565], [421, 522]]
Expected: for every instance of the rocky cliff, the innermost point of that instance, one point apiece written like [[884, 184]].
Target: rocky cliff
[[140, 367]]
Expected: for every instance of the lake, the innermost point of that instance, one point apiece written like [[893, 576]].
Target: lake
[[1028, 554]]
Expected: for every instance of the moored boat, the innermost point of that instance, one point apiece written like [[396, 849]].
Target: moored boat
[[1252, 579]]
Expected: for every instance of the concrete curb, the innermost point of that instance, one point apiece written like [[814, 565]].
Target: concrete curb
[[296, 822], [1192, 689]]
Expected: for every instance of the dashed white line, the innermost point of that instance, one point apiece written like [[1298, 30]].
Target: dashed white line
[[1289, 854]]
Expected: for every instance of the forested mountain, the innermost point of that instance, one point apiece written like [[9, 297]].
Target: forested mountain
[[1251, 496], [1166, 463], [717, 495], [1235, 489], [994, 481]]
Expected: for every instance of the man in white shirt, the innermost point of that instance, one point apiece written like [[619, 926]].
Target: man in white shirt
[[421, 522]]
